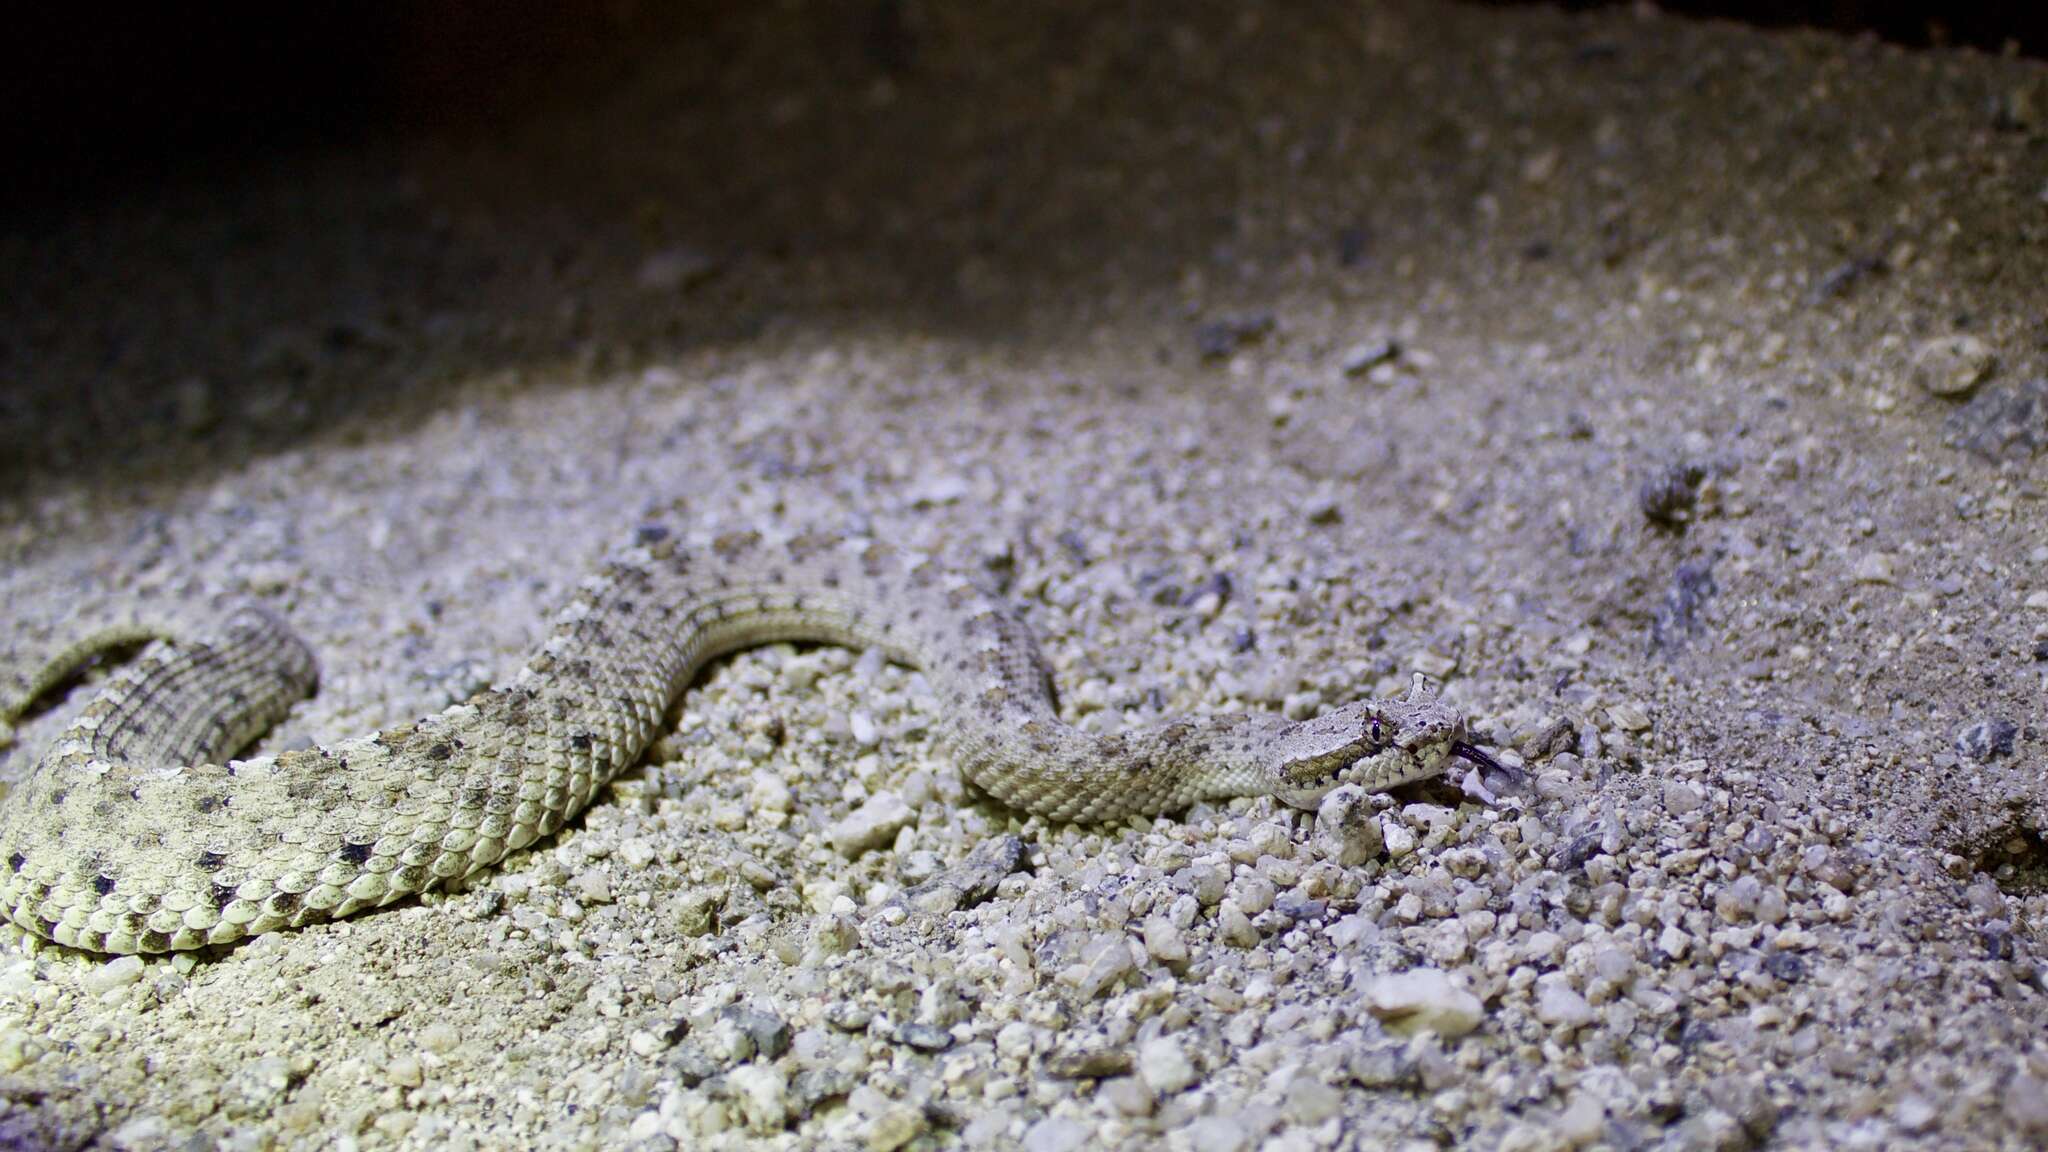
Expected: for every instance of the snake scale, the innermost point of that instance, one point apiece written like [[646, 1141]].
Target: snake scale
[[136, 833]]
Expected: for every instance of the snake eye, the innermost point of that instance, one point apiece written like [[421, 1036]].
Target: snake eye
[[1376, 734]]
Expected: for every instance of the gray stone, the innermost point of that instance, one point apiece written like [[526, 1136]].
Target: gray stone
[[1990, 738]]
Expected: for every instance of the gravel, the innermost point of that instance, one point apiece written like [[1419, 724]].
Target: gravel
[[1669, 390]]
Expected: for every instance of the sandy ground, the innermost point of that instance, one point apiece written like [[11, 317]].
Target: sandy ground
[[1675, 393]]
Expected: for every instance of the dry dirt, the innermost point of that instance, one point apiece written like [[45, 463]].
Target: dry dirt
[[1676, 393]]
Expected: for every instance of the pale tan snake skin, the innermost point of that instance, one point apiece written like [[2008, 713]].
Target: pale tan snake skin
[[131, 835]]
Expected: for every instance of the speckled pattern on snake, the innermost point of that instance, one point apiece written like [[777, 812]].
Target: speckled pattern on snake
[[135, 834]]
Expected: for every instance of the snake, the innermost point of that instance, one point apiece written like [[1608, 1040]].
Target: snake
[[135, 832]]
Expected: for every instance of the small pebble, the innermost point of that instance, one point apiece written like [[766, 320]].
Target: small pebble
[[1347, 826], [768, 1033], [119, 972], [1164, 942], [1423, 1000], [1217, 1134], [1952, 365], [1559, 1006], [593, 886], [1234, 927], [863, 728], [924, 1037], [404, 1071], [1681, 798], [1058, 1134], [872, 825], [894, 1127], [762, 1093], [697, 912], [1360, 358], [1988, 739], [2026, 1103], [1127, 1095], [1164, 1067], [1671, 497], [1630, 716], [1915, 1114], [1399, 840], [1309, 1101], [1582, 1122]]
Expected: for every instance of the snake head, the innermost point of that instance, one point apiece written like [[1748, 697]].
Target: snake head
[[1376, 744]]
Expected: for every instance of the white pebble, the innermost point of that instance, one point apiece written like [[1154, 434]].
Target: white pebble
[[872, 825], [1253, 894], [145, 1131], [1217, 1134], [1163, 941], [1582, 1122], [863, 728], [1058, 1134], [1680, 798], [762, 1093], [1915, 1114], [404, 1071], [116, 973], [1015, 1039], [1347, 828], [1629, 716], [1400, 841], [1558, 1005], [1423, 1000], [593, 887], [769, 793], [1309, 1101], [1234, 927], [1164, 1066], [1673, 942]]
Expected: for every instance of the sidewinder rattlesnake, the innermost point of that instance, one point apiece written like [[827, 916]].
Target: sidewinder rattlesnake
[[134, 833]]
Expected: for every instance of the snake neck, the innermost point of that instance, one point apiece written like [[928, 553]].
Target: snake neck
[[1030, 760]]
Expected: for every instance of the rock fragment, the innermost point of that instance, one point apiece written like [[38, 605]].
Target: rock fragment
[[1990, 738], [872, 825], [1348, 828], [1423, 1000], [1952, 365], [1164, 1067]]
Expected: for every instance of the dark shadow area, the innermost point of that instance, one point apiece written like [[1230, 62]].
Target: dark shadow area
[[1987, 25], [105, 102], [236, 229]]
